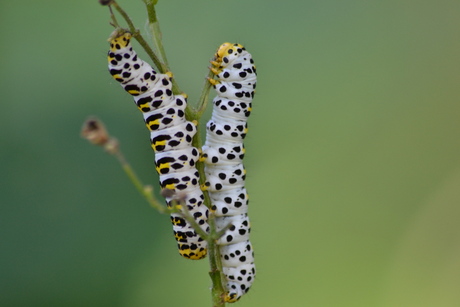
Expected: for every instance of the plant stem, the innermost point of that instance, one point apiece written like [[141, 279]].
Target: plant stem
[[154, 27], [203, 101], [138, 36], [144, 190], [215, 263], [155, 32], [215, 272], [188, 217]]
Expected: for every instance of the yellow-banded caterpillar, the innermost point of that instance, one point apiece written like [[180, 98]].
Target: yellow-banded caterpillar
[[171, 137], [223, 155]]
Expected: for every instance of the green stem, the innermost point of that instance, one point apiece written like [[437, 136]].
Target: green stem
[[155, 32], [215, 272], [204, 97], [124, 15], [140, 39], [154, 27], [215, 264], [114, 19], [138, 36], [188, 217], [144, 190]]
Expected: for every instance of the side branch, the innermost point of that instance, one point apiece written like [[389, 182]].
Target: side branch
[[203, 101], [155, 32], [95, 132], [154, 27], [137, 35]]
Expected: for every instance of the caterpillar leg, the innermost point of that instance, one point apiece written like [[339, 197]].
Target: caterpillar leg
[[205, 186], [215, 70], [215, 63], [213, 82], [203, 157]]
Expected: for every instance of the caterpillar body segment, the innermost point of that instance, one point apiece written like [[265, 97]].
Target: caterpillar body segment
[[230, 203], [168, 116], [171, 138], [181, 159]]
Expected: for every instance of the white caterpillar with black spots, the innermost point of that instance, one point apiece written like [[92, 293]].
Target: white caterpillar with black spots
[[171, 137], [223, 155]]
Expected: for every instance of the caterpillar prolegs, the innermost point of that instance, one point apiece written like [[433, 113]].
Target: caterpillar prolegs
[[223, 155], [171, 137]]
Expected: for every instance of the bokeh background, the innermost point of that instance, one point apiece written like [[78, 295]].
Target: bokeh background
[[353, 155]]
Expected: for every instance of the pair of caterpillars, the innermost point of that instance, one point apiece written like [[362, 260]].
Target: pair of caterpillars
[[175, 158]]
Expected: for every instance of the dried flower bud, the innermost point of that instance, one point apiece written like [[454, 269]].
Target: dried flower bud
[[174, 200], [105, 2], [94, 131], [167, 193]]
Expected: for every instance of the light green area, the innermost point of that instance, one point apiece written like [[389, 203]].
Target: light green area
[[353, 155]]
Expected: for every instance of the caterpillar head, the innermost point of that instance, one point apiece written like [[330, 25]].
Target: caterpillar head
[[119, 39], [227, 53]]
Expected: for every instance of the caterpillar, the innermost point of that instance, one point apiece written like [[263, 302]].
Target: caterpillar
[[170, 135], [223, 155]]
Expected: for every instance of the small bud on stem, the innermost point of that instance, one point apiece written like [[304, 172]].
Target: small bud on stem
[[105, 2], [94, 131]]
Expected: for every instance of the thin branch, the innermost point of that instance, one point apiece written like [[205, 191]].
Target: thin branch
[[138, 36], [95, 132], [125, 16], [146, 191], [204, 97], [175, 205], [215, 262], [215, 272], [155, 32], [114, 19], [221, 232]]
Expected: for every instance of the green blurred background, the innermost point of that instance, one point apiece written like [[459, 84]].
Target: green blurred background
[[352, 155]]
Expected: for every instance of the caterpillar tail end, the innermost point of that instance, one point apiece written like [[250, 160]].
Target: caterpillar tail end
[[188, 252], [231, 297], [205, 186]]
